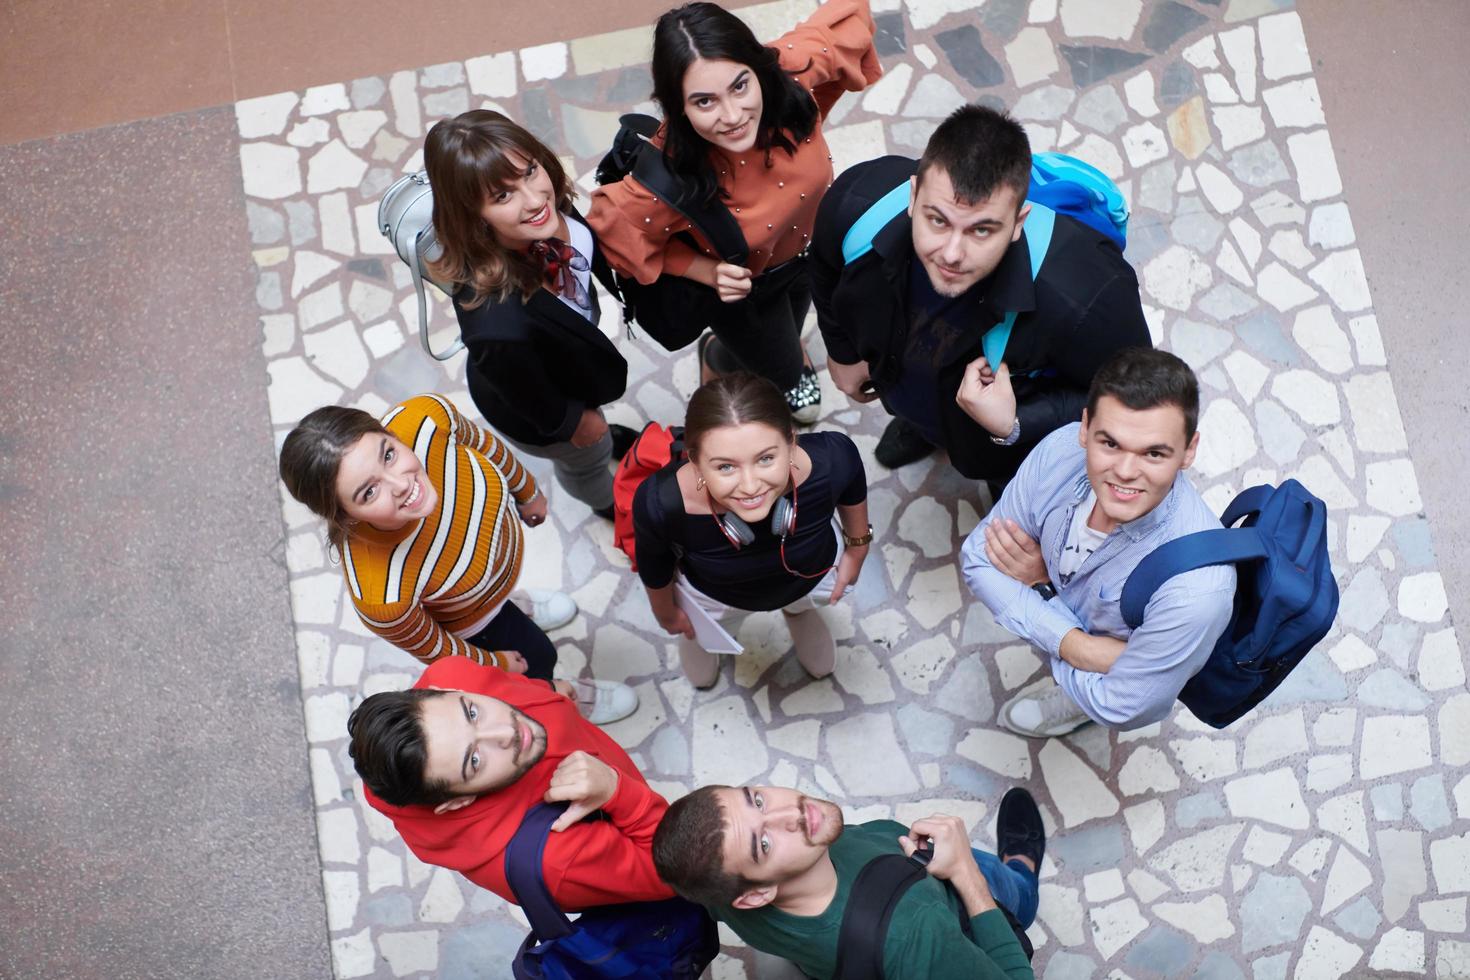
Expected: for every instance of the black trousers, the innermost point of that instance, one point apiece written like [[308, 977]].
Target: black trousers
[[762, 333], [512, 629]]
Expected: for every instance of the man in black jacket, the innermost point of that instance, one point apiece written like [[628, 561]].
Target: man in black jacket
[[904, 322]]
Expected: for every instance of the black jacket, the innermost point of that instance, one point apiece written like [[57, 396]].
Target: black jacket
[[535, 365], [1083, 307]]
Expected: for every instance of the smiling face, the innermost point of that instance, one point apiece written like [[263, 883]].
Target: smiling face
[[745, 467], [477, 744], [775, 835], [382, 483], [961, 243], [723, 102], [1133, 456], [523, 211]]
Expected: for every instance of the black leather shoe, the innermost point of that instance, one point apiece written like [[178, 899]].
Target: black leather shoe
[[1019, 831], [623, 439], [902, 444]]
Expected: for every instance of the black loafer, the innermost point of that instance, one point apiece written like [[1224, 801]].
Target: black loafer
[[623, 439], [1019, 831], [902, 444]]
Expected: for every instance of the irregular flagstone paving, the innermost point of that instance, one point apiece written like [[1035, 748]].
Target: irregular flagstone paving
[[1327, 835]]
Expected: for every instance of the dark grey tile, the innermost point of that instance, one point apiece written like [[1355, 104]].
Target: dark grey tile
[[1093, 62], [966, 52]]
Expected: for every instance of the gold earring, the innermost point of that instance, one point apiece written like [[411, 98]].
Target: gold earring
[[699, 483]]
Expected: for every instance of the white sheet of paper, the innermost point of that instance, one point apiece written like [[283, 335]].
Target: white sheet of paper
[[708, 632]]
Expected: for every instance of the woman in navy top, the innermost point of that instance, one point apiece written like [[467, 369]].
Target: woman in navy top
[[747, 522]]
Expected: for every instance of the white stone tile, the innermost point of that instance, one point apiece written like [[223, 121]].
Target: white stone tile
[[1350, 653], [492, 75], [1347, 878], [322, 99], [337, 352], [1275, 797], [1443, 915], [1265, 847], [1288, 246], [810, 699], [1139, 90], [1197, 863], [1399, 951], [1275, 208], [1031, 57], [927, 524], [1316, 168], [1103, 886], [856, 142], [1227, 440], [1295, 105], [334, 167], [1147, 770], [1002, 752], [919, 665], [1440, 666], [337, 835], [1311, 858], [410, 952], [1238, 125], [1326, 956], [727, 747], [1312, 397], [1113, 19], [270, 171], [866, 756], [1345, 817], [1247, 373], [1114, 926], [1273, 738], [1175, 276], [1393, 487], [1392, 744], [1239, 46], [885, 97], [1218, 189], [310, 132], [1281, 289], [1422, 597], [1202, 54], [1207, 920], [1041, 12], [1205, 759], [370, 239], [1341, 276], [443, 900], [1230, 263], [1377, 427], [1316, 331], [1218, 89], [925, 55], [933, 595], [353, 956], [264, 116], [1145, 824], [1075, 788], [342, 892], [1017, 665], [544, 61], [1101, 153], [326, 787], [1329, 771], [278, 333], [1283, 46], [972, 812], [309, 268], [1144, 144], [1248, 238], [385, 338], [799, 738], [1060, 909], [1331, 226]]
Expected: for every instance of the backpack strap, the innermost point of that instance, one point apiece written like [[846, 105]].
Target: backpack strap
[[1224, 546], [523, 873], [1038, 229], [712, 218], [875, 894], [1247, 503], [859, 238]]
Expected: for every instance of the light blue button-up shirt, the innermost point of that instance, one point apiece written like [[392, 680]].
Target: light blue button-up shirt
[[1180, 624]]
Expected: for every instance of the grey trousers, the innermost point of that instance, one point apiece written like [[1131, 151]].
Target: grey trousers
[[582, 473]]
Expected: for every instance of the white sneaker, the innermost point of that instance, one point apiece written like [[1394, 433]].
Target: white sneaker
[[548, 610], [1043, 713], [604, 702]]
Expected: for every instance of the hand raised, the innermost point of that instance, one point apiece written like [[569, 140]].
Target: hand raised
[[585, 782]]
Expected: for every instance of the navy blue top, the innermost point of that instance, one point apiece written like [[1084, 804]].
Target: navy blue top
[[933, 335], [751, 578]]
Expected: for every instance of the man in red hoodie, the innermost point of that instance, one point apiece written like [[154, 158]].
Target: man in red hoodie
[[459, 759]]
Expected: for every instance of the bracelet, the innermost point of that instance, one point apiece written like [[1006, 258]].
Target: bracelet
[[858, 542]]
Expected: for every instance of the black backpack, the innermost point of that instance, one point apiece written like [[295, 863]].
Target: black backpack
[[875, 894], [672, 310]]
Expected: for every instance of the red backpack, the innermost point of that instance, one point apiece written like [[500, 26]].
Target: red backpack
[[655, 448]]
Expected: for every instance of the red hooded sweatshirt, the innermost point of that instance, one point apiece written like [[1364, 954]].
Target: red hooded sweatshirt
[[593, 862]]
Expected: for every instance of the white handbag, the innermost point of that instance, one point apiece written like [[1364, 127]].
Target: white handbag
[[406, 219]]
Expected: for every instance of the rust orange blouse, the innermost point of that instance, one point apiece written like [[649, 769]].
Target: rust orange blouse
[[829, 53]]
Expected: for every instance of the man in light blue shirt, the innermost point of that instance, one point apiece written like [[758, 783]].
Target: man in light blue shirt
[[1087, 505]]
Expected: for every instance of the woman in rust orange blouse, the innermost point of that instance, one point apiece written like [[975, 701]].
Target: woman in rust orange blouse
[[743, 121]]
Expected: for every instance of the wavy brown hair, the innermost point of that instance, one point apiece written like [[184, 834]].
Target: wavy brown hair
[[469, 159]]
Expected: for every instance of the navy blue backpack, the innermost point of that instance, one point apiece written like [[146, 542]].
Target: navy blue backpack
[[1285, 595], [672, 938]]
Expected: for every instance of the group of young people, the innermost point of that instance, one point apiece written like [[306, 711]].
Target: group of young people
[[1080, 429]]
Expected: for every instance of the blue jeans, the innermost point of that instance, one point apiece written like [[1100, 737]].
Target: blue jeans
[[1012, 884]]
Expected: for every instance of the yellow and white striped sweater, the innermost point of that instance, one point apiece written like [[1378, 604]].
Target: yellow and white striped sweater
[[425, 586]]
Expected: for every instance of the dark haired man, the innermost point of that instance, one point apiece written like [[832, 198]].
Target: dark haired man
[[904, 322], [778, 868], [1088, 504], [459, 759]]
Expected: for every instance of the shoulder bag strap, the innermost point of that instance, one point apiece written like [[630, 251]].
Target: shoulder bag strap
[[712, 218], [1224, 546], [1039, 225], [870, 904], [859, 238], [523, 873]]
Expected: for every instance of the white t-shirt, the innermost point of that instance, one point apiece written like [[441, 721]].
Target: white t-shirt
[[581, 240], [1081, 541]]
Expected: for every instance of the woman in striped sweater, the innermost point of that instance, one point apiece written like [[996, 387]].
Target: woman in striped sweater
[[422, 509]]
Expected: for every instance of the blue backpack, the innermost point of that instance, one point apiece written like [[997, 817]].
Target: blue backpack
[[1285, 595], [672, 938], [1060, 184]]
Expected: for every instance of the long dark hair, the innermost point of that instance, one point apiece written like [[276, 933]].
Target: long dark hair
[[709, 31], [312, 455], [735, 399], [468, 161]]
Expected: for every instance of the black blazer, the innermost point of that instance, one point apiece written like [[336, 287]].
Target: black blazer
[[1082, 308], [534, 365]]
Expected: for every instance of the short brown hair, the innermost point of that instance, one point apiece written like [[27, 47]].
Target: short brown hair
[[1143, 378], [981, 150], [389, 751], [468, 160], [689, 850], [735, 399], [312, 455]]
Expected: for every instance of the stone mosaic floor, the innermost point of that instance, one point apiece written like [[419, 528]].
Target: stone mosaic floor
[[1327, 835]]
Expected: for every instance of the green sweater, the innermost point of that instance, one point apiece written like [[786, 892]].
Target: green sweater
[[924, 940]]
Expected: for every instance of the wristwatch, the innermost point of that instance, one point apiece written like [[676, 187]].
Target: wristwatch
[[858, 542], [1012, 437], [1046, 590]]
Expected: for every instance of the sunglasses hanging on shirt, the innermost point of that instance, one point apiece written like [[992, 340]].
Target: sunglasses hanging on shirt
[[783, 522]]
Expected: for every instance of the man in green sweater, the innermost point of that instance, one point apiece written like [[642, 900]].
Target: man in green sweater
[[777, 867]]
